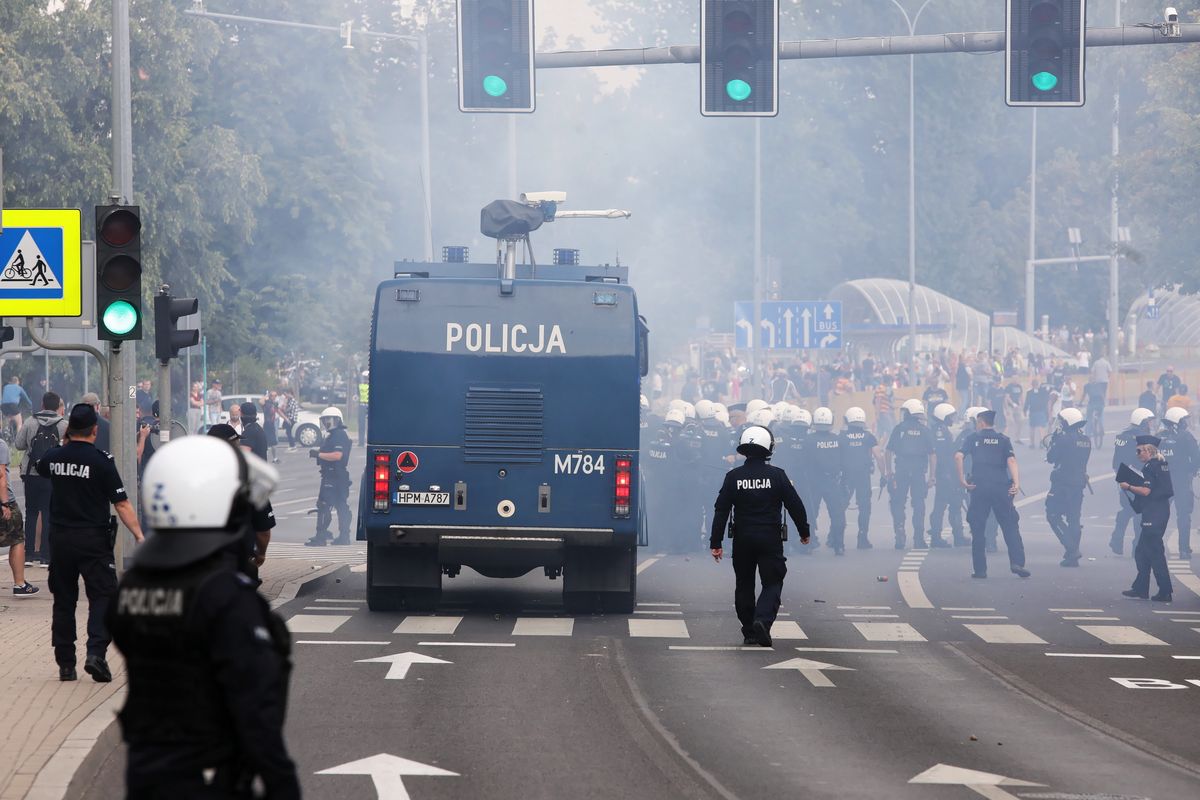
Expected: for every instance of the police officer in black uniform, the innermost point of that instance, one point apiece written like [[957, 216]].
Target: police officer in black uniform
[[755, 493], [1151, 499], [828, 470], [208, 661], [689, 460], [793, 451], [333, 457], [911, 446], [1069, 451], [662, 482], [1125, 452], [947, 494], [993, 483], [861, 454], [254, 439], [1180, 450], [83, 483]]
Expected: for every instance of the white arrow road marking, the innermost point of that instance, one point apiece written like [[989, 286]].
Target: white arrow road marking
[[810, 669], [787, 319], [387, 772], [806, 315], [400, 663], [986, 784]]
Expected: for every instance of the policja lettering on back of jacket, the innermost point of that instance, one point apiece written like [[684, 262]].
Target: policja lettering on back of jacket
[[754, 483]]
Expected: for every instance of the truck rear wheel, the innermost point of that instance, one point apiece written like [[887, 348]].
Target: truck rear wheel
[[407, 579]]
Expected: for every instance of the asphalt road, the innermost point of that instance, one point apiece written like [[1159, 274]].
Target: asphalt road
[[1036, 680]]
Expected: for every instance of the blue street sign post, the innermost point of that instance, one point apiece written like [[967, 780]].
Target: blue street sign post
[[1152, 311], [791, 325]]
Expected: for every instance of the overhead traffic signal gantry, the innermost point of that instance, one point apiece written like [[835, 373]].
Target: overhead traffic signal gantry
[[739, 58], [495, 56], [1044, 52], [119, 272], [169, 338]]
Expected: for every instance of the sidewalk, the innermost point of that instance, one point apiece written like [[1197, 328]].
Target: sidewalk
[[46, 719]]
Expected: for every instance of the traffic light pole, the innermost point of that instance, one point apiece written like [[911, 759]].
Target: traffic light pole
[[969, 42]]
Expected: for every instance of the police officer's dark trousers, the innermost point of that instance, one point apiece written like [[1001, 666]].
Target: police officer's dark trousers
[[1064, 504], [334, 494], [829, 491], [907, 482], [760, 551], [860, 489], [994, 500], [86, 552], [37, 502], [1151, 556], [1185, 504], [947, 502], [1124, 515]]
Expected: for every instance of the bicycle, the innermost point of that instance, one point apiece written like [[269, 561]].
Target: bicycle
[[17, 272]]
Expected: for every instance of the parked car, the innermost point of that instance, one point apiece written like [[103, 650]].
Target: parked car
[[308, 423]]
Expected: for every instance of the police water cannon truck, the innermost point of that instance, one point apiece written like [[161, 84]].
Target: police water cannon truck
[[504, 423]]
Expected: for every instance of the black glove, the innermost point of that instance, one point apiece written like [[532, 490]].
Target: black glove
[[314, 453]]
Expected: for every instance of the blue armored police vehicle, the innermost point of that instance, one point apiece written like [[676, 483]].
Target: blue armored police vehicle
[[503, 429]]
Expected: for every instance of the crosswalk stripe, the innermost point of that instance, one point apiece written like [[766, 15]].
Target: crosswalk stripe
[[786, 629], [889, 632], [433, 626], [1121, 634], [1005, 634], [909, 584], [316, 623], [540, 626], [658, 629]]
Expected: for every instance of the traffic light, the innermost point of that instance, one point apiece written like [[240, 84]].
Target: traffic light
[[1044, 52], [169, 339], [119, 273], [495, 55], [739, 58]]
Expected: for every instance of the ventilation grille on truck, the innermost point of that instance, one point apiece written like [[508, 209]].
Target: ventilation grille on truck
[[504, 426]]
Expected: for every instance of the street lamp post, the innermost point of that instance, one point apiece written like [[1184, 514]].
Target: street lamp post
[[912, 185]]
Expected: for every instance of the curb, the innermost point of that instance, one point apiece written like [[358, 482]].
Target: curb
[[54, 778]]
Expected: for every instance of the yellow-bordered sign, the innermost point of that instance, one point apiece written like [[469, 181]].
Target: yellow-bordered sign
[[39, 263]]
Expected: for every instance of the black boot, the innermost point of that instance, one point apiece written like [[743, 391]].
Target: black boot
[[320, 540]]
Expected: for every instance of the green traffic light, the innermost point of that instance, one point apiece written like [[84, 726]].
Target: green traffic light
[[1045, 81], [738, 89], [495, 86], [120, 318]]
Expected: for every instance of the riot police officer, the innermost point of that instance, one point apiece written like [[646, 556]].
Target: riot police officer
[[861, 454], [947, 495], [663, 482], [1125, 452], [689, 455], [1152, 500], [83, 483], [333, 458], [208, 662], [990, 528], [911, 458], [1180, 450], [1069, 451], [993, 483], [754, 492], [793, 450], [828, 478]]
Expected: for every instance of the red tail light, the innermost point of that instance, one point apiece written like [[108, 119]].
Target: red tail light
[[623, 488], [382, 482]]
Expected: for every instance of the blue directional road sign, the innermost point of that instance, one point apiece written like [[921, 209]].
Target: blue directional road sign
[[791, 324], [1152, 311]]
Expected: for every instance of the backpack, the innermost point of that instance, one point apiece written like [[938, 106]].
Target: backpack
[[45, 440]]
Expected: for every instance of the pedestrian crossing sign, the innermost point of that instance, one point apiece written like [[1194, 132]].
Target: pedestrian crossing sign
[[40, 251]]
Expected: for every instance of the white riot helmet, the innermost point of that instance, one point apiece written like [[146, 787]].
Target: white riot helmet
[[763, 418], [676, 404], [722, 416], [757, 442], [705, 409], [1140, 416], [1175, 415], [689, 410], [803, 417], [777, 409], [823, 417], [1070, 417], [721, 407], [972, 412], [855, 416], [913, 408], [788, 414], [676, 416], [199, 493], [755, 405], [943, 411], [645, 402], [331, 418]]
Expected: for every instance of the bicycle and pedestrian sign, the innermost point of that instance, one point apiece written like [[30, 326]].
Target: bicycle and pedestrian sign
[[791, 324], [40, 251]]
